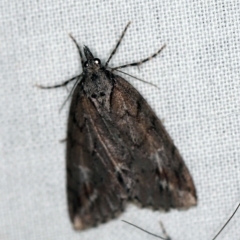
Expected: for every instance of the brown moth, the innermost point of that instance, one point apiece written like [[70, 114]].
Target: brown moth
[[118, 149]]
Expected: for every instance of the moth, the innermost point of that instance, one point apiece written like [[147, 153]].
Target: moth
[[117, 148]]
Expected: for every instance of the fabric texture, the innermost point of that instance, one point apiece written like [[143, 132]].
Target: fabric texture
[[198, 78]]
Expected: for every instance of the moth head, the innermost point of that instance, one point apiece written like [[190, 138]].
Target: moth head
[[91, 62]]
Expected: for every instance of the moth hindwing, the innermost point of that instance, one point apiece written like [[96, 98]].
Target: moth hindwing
[[118, 149]]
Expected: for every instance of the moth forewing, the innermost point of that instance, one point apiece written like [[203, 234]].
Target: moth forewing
[[118, 149], [119, 145]]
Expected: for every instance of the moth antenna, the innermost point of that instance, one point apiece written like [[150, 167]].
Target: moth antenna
[[164, 231], [227, 222], [78, 47], [155, 235], [118, 43], [141, 80]]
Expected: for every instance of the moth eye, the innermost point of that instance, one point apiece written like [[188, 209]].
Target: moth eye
[[102, 94], [86, 64], [97, 61], [93, 95]]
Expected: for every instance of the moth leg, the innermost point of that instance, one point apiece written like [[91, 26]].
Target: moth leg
[[227, 222], [164, 231], [118, 43], [155, 235], [72, 90], [139, 79], [71, 79], [58, 85], [142, 61]]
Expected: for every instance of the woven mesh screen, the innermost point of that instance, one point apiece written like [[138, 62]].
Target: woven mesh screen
[[198, 99]]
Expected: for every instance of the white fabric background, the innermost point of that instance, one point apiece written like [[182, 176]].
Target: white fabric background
[[198, 76]]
